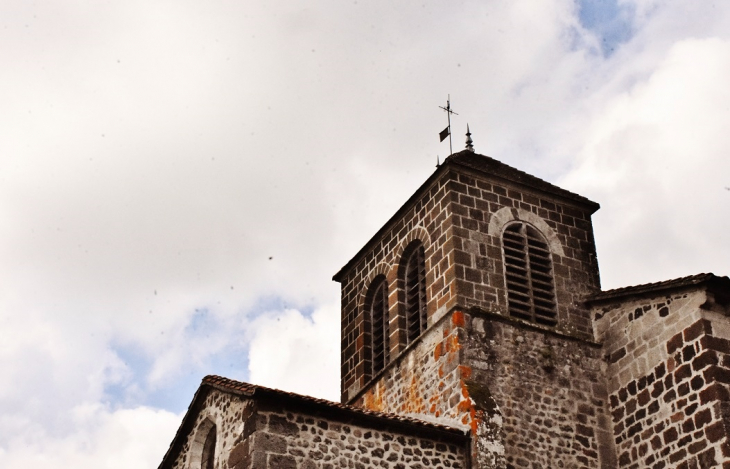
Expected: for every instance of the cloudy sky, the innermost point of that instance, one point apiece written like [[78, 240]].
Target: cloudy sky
[[179, 180]]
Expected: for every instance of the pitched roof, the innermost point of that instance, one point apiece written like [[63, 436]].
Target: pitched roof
[[720, 284], [320, 406], [253, 390], [475, 162], [488, 165]]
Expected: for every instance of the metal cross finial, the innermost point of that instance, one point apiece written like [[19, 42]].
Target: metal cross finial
[[447, 131], [469, 141]]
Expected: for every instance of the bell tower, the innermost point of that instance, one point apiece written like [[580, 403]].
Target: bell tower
[[466, 308]]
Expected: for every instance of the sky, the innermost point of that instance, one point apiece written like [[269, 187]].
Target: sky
[[179, 180]]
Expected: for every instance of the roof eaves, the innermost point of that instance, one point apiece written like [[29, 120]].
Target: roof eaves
[[184, 429], [512, 174], [251, 390], [720, 284], [463, 159], [374, 239]]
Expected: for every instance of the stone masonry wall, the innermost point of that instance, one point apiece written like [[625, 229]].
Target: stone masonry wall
[[427, 382], [459, 220], [255, 433], [530, 398], [234, 421], [669, 380], [547, 389], [480, 209], [425, 220], [291, 439]]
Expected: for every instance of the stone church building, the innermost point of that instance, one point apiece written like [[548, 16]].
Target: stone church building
[[475, 334]]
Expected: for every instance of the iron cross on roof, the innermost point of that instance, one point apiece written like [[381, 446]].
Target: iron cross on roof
[[447, 131]]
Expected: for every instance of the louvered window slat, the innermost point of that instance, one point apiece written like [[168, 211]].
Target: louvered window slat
[[542, 277], [529, 275], [517, 271], [540, 292], [379, 322], [516, 260], [539, 248], [415, 289]]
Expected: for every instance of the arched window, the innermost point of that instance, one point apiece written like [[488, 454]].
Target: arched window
[[529, 274], [414, 284], [376, 310], [207, 459]]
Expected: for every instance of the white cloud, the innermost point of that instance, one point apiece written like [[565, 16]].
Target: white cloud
[[167, 167], [297, 353], [99, 438], [655, 156]]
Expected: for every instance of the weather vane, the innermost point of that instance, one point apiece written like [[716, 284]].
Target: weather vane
[[447, 131]]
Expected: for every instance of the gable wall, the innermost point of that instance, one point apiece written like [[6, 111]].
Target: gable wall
[[234, 418], [267, 433]]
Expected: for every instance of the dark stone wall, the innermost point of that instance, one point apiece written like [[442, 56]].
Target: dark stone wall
[[480, 209], [426, 220], [459, 219], [529, 398], [268, 433], [291, 439], [669, 380], [548, 390]]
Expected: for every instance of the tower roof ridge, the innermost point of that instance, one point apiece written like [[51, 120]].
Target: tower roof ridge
[[483, 164], [494, 167]]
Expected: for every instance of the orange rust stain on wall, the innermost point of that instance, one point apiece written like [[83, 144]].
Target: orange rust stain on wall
[[374, 399], [467, 407], [414, 400], [451, 344], [438, 351], [464, 406], [457, 319]]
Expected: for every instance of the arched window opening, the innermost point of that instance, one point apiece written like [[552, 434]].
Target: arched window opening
[[529, 275], [415, 293], [377, 312], [207, 460]]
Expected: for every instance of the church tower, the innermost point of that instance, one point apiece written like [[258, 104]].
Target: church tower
[[467, 308], [475, 335]]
